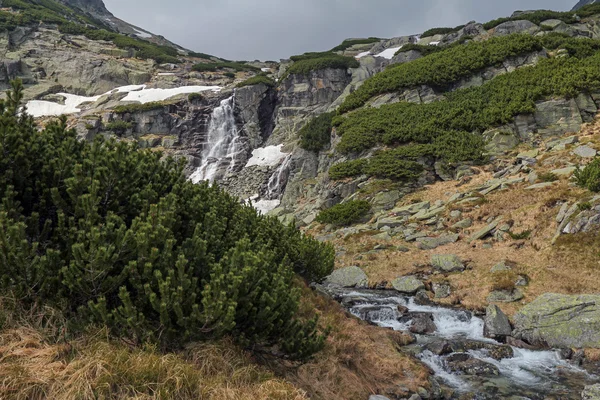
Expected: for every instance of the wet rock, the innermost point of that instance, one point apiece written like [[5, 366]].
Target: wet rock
[[440, 348], [496, 323], [495, 351], [560, 321], [408, 284], [348, 277], [511, 341], [422, 323], [447, 263], [422, 299], [473, 366], [505, 296], [591, 393]]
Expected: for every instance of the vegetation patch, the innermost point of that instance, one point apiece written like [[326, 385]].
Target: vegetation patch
[[316, 135], [539, 16], [441, 31], [442, 68], [113, 235], [195, 97], [139, 107], [425, 50], [469, 110], [309, 62], [221, 65], [118, 127], [257, 80], [589, 177], [346, 44], [345, 213]]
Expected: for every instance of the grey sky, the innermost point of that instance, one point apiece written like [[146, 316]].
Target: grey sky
[[274, 29]]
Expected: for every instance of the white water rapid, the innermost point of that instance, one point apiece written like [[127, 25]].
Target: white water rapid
[[223, 145], [534, 374]]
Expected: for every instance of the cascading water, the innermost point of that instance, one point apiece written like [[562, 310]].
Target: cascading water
[[223, 144], [278, 180], [534, 374]]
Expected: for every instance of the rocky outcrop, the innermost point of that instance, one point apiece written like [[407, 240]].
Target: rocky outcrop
[[583, 3], [519, 26], [591, 393], [560, 321]]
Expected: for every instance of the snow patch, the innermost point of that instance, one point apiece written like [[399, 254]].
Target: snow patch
[[142, 34], [363, 54], [266, 69], [266, 156], [264, 206], [166, 73], [389, 53], [42, 108], [150, 95], [434, 43]]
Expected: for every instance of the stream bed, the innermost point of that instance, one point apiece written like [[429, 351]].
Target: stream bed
[[451, 342]]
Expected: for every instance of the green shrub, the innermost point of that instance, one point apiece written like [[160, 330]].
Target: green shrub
[[586, 206], [348, 169], [201, 55], [135, 107], [441, 31], [114, 235], [257, 80], [309, 62], [388, 165], [221, 65], [195, 97], [316, 134], [346, 44], [118, 126], [442, 68], [476, 109], [589, 177], [230, 75], [520, 236], [548, 177], [425, 50], [345, 213]]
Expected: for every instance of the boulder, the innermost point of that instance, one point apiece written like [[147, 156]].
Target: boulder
[[557, 117], [510, 27], [385, 200], [483, 232], [505, 296], [440, 348], [447, 263], [441, 290], [408, 284], [348, 277], [422, 323], [378, 397], [428, 243], [585, 152], [496, 323], [591, 393], [472, 366], [557, 320]]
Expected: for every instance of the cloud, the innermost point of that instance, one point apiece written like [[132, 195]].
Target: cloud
[[274, 29]]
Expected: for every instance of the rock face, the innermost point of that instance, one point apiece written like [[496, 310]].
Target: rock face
[[496, 323], [557, 320], [348, 277]]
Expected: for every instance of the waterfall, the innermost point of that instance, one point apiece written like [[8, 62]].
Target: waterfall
[[278, 180], [223, 144]]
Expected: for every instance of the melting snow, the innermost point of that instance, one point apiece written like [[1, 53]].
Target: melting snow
[[434, 43], [166, 74], [264, 206], [389, 53], [142, 34], [266, 156], [266, 69], [42, 108], [363, 54]]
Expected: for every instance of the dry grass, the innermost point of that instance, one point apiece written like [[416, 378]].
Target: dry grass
[[570, 266], [358, 360]]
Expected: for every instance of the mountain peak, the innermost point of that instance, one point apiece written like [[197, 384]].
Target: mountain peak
[[583, 3], [91, 6]]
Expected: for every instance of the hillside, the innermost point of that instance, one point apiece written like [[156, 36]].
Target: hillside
[[443, 185]]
